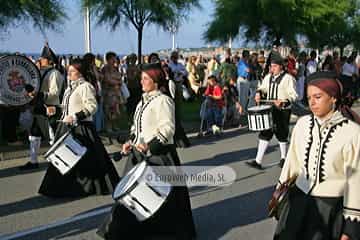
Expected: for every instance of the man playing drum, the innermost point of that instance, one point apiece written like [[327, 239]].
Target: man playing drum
[[46, 105], [279, 88]]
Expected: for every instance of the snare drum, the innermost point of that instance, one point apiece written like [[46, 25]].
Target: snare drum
[[260, 118], [138, 193], [65, 153]]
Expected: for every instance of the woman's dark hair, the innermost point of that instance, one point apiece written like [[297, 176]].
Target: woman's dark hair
[[154, 58], [212, 77], [350, 59], [88, 69], [109, 55], [328, 64], [78, 64], [167, 69]]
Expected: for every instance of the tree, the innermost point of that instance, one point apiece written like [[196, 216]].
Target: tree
[[43, 13], [139, 13], [334, 27], [276, 19], [255, 19]]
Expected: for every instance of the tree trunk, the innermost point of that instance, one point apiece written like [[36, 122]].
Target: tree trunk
[[140, 32]]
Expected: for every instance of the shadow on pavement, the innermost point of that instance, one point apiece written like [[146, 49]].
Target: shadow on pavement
[[230, 213], [196, 191], [212, 221], [230, 157], [28, 204], [13, 171], [211, 139]]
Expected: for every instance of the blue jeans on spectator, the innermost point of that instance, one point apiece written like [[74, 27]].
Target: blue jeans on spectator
[[214, 116], [243, 86], [99, 120]]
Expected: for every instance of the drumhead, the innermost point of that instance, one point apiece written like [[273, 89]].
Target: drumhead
[[15, 72], [56, 144], [129, 180], [259, 108]]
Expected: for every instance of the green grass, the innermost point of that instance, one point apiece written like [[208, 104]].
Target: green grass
[[190, 111]]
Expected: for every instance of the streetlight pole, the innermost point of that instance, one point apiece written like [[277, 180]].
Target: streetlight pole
[[87, 30], [173, 40]]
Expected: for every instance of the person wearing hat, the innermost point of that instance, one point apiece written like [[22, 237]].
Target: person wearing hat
[[278, 87], [324, 156], [275, 50], [46, 108], [152, 135]]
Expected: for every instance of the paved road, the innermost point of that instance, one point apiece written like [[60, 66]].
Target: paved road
[[233, 212]]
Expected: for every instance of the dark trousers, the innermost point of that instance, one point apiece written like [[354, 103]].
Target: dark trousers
[[281, 119], [10, 120], [133, 100]]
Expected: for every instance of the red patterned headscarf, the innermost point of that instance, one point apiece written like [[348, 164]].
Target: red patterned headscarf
[[327, 82], [155, 71]]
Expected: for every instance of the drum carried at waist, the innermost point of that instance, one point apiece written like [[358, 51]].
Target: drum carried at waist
[[65, 153], [16, 71], [138, 192], [260, 118]]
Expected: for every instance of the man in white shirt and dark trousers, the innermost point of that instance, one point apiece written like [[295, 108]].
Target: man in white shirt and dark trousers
[[279, 87], [46, 105]]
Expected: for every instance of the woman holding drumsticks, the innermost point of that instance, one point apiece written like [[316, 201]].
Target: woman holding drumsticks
[[94, 173]]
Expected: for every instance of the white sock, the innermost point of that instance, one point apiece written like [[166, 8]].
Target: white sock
[[283, 149], [33, 153], [261, 150], [34, 148], [51, 136]]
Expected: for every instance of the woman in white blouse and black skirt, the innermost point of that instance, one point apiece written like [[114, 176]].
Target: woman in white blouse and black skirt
[[94, 173], [324, 154], [152, 134]]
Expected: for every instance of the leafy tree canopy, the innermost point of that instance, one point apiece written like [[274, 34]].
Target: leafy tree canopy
[[280, 19], [43, 13]]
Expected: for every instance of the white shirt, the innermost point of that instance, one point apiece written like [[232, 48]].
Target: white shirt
[[311, 67], [325, 157], [154, 118], [349, 69], [179, 70]]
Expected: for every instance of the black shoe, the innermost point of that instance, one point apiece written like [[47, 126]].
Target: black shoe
[[254, 164], [29, 166], [281, 163]]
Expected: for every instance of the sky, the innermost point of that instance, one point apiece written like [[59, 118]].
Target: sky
[[26, 39]]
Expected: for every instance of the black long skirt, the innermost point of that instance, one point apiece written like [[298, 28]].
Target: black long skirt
[[93, 174], [172, 221], [180, 138], [310, 218]]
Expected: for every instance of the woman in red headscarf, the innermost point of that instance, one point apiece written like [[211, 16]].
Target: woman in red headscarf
[[151, 140], [324, 154], [94, 173]]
